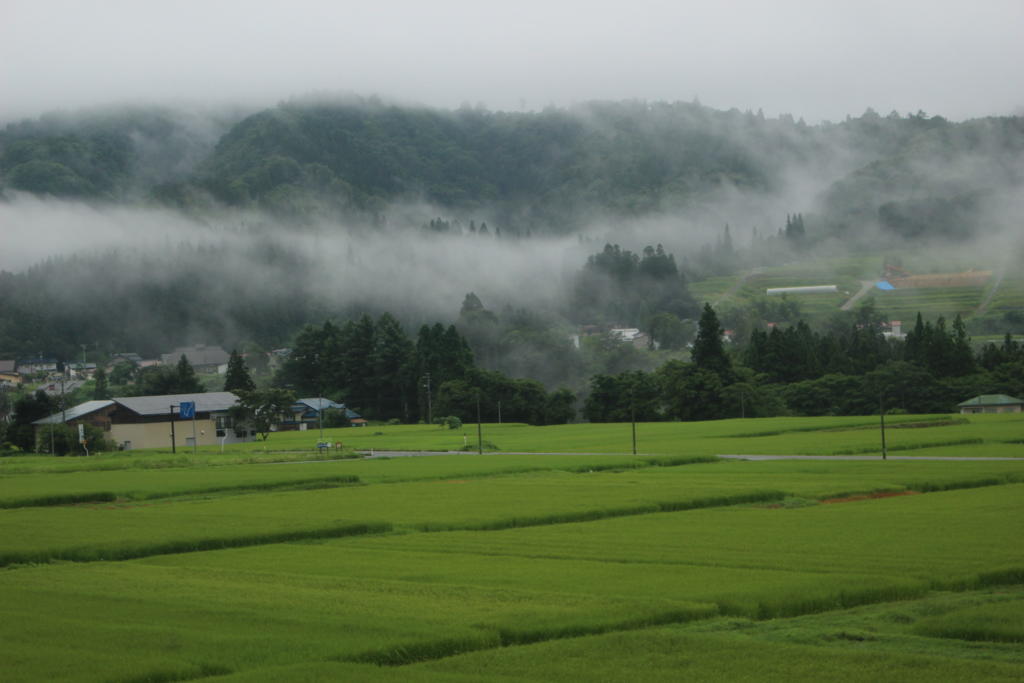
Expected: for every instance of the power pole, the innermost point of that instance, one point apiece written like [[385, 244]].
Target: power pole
[[881, 416], [171, 409], [479, 427], [430, 412]]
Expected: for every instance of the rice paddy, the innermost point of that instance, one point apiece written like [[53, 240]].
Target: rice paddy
[[589, 565]]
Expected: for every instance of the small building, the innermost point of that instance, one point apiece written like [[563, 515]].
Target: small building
[[306, 413], [31, 366], [146, 421], [631, 335], [9, 374], [991, 403], [810, 289], [201, 357], [894, 331], [82, 370]]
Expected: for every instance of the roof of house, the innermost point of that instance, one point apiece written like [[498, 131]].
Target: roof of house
[[319, 403], [81, 410], [160, 405], [8, 365], [326, 404], [197, 355], [991, 400]]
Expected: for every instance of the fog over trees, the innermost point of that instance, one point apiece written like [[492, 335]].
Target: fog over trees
[[527, 235]]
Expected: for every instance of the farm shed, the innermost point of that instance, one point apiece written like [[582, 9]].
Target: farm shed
[[145, 421], [991, 403], [812, 289]]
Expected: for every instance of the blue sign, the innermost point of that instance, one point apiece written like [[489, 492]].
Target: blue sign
[[187, 410]]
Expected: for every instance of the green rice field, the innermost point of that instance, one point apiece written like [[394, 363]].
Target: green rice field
[[561, 557]]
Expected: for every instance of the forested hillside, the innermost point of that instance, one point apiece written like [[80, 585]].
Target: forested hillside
[[551, 171], [110, 154]]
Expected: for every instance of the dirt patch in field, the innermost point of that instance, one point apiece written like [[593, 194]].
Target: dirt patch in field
[[870, 496]]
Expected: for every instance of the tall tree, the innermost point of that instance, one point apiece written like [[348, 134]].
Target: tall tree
[[237, 377], [708, 350], [260, 410], [101, 391], [186, 381]]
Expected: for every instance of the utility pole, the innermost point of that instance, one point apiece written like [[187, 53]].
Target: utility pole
[[171, 409], [632, 415], [479, 427], [430, 412], [881, 416], [633, 419]]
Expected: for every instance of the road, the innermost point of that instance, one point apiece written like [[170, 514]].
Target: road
[[865, 287]]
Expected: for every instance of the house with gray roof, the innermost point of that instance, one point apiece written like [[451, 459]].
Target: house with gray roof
[[991, 403], [306, 413], [156, 421], [9, 372], [201, 357]]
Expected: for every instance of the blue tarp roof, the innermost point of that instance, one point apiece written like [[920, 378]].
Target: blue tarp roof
[[884, 285]]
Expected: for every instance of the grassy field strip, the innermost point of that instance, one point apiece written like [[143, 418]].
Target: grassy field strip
[[1000, 622], [769, 584], [673, 654], [820, 436], [114, 531], [146, 484], [179, 622], [394, 599], [84, 495], [947, 538], [662, 655]]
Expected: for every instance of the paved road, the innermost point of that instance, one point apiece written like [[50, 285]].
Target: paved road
[[983, 306], [865, 286]]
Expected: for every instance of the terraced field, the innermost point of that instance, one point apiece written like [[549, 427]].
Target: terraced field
[[589, 566], [904, 304]]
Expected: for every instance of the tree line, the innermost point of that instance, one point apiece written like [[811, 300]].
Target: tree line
[[851, 370], [376, 369]]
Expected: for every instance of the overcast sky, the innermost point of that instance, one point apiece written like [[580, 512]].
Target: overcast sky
[[818, 59]]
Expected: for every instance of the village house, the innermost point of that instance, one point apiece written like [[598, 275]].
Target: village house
[[306, 414], [9, 374], [991, 403], [201, 357]]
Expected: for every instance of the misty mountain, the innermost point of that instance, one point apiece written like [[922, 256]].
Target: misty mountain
[[940, 179], [114, 153], [552, 171]]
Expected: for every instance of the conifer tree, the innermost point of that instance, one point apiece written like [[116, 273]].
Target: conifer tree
[[185, 380], [237, 377], [101, 391], [708, 351]]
